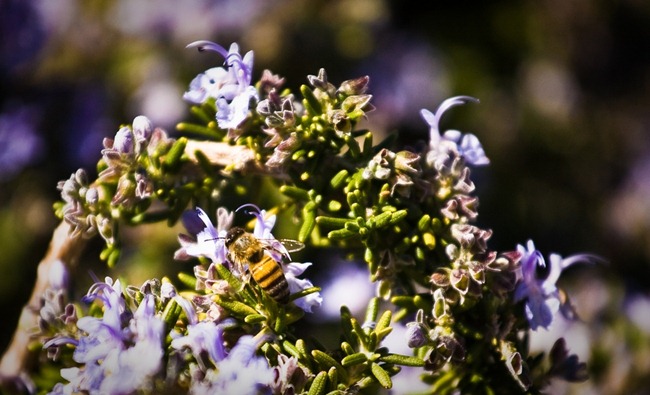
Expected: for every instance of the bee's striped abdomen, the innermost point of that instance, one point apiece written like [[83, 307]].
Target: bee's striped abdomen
[[269, 275]]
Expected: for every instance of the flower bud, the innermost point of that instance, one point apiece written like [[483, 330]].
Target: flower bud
[[142, 128], [356, 86], [92, 196], [81, 177], [167, 290], [416, 334], [407, 162], [123, 142], [105, 228]]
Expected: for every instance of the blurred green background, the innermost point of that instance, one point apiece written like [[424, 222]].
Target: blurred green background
[[564, 117]]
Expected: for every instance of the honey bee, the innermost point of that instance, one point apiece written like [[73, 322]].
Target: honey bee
[[244, 249]]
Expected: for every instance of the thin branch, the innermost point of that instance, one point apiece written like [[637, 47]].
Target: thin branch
[[53, 272]]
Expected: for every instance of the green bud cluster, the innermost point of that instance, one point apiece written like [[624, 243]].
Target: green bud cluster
[[360, 364]]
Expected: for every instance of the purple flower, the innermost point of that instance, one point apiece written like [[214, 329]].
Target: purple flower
[[231, 115], [452, 141], [205, 337], [210, 242], [240, 372], [230, 87], [537, 283], [208, 85], [133, 367], [121, 351]]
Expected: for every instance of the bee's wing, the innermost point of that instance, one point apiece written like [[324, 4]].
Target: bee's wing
[[292, 245], [282, 246]]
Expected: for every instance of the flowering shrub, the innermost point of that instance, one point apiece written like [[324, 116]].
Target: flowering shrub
[[408, 213]]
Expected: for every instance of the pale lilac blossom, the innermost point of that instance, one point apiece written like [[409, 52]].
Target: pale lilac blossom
[[536, 283], [205, 337], [230, 87], [231, 115], [452, 141], [120, 355], [240, 372], [210, 241]]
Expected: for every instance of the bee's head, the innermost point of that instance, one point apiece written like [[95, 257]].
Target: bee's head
[[233, 234]]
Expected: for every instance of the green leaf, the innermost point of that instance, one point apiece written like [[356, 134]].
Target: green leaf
[[367, 144], [339, 179], [312, 105], [254, 318], [381, 375], [340, 234], [303, 352], [327, 361], [308, 224], [171, 313], [398, 216], [384, 321], [422, 302], [429, 240], [382, 333], [187, 279], [113, 257], [318, 385], [373, 310], [347, 348], [202, 113], [238, 308], [225, 274], [294, 192], [382, 220], [195, 129], [331, 222], [291, 349], [334, 205], [403, 360], [173, 158], [354, 359], [304, 292], [358, 210], [333, 377], [360, 333], [446, 382], [353, 145], [424, 223], [324, 359]]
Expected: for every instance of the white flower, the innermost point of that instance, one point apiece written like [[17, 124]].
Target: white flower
[[308, 302]]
